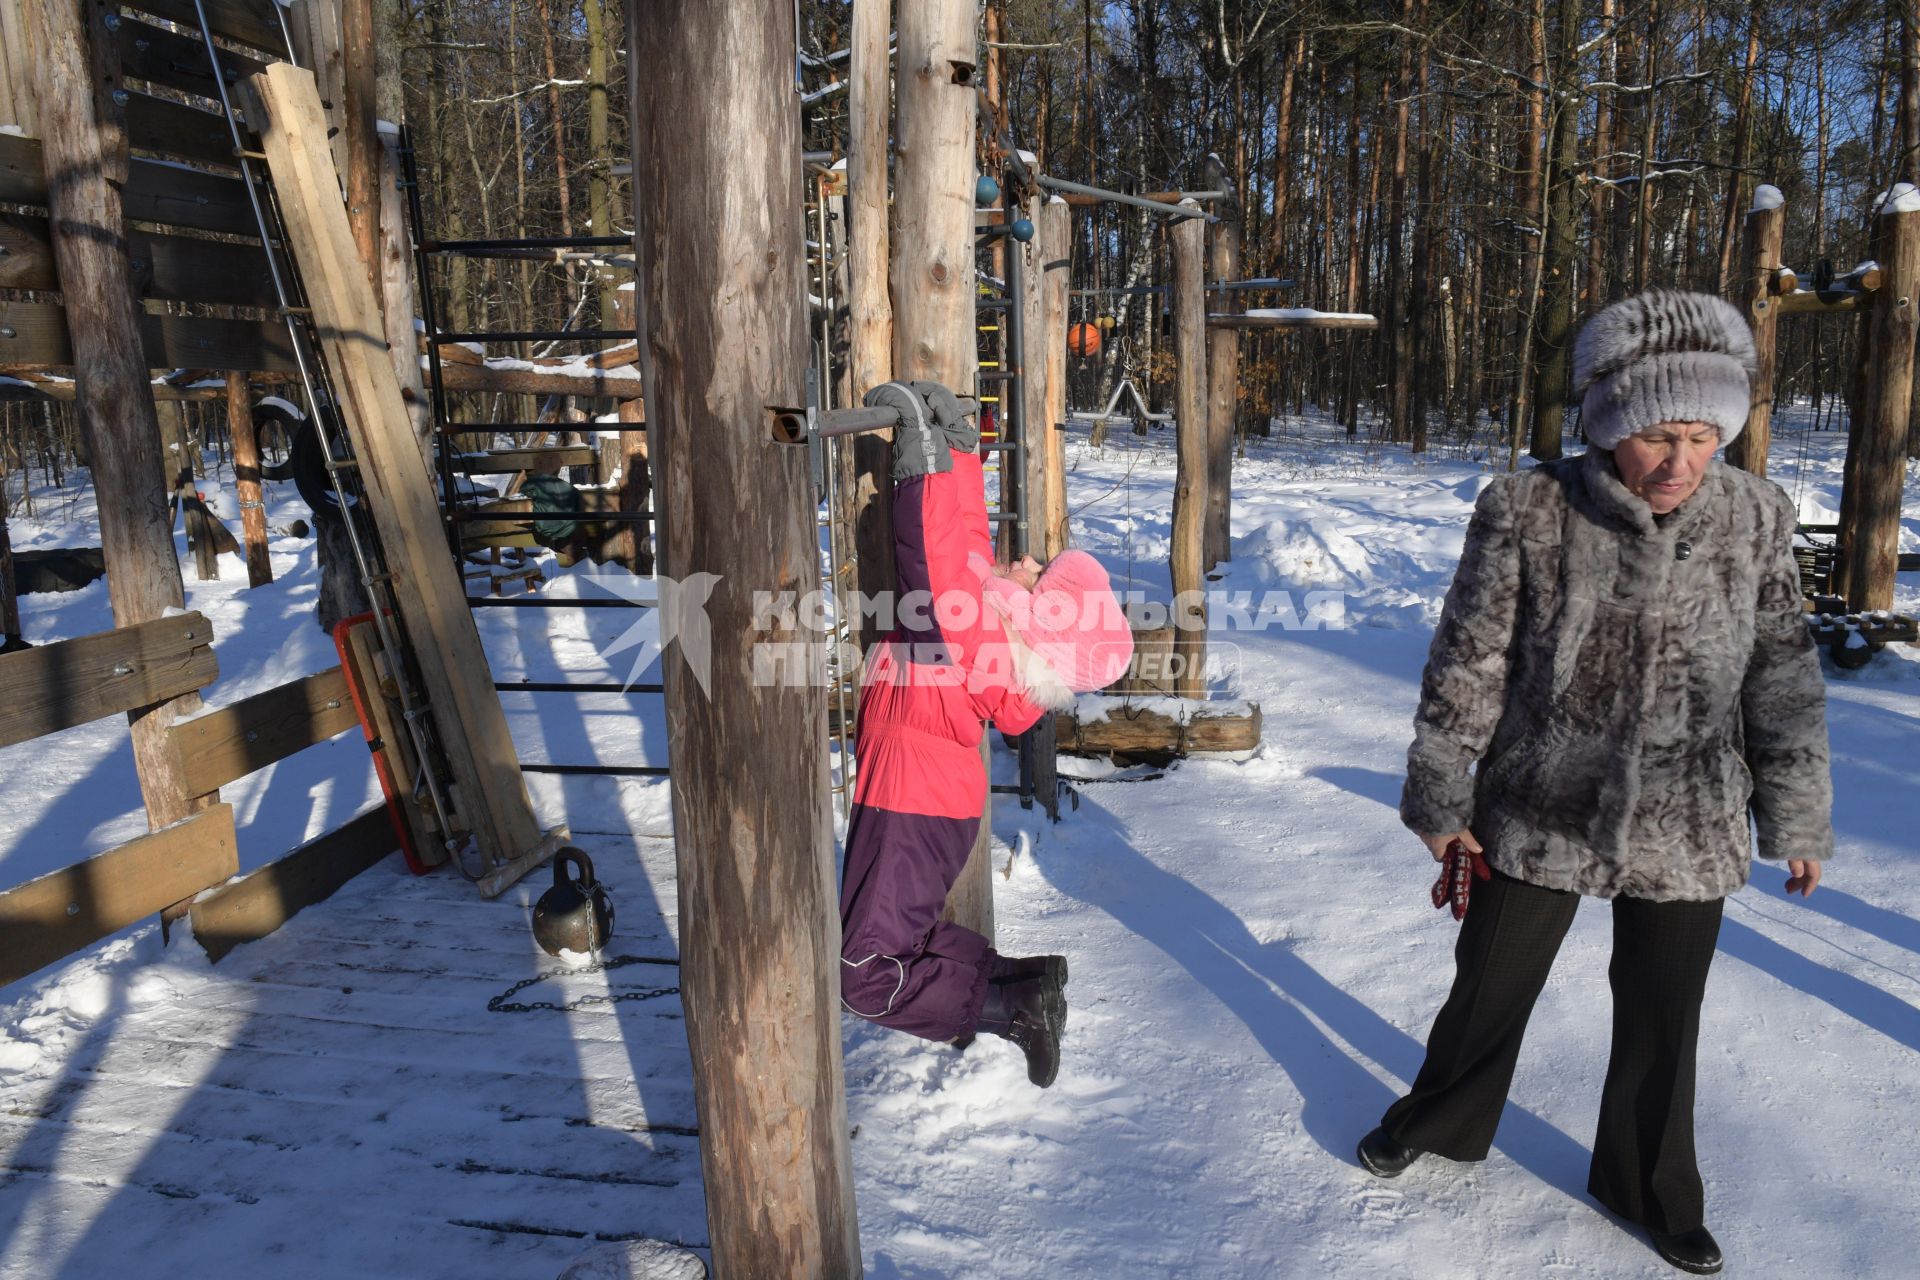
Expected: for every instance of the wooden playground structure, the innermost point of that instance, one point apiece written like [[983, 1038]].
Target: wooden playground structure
[[209, 194]]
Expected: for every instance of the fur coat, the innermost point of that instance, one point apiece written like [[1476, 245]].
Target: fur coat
[[1622, 708]]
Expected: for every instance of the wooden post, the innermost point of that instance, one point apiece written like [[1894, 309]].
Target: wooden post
[[357, 122], [1877, 442], [724, 339], [395, 280], [1055, 238], [1036, 427], [176, 444], [933, 273], [636, 542], [471, 728], [1760, 241], [113, 396], [246, 475], [870, 307], [1223, 402], [1194, 440]]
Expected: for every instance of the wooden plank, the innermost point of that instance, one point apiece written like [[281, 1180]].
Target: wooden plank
[[156, 191], [1157, 728], [16, 72], [261, 901], [249, 22], [367, 668], [255, 732], [50, 918], [36, 335], [619, 385], [165, 268], [500, 462], [176, 59], [469, 723], [73, 682], [178, 131]]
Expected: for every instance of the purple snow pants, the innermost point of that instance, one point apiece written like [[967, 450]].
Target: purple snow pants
[[900, 964]]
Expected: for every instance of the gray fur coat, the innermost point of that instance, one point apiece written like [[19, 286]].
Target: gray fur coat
[[1622, 709]]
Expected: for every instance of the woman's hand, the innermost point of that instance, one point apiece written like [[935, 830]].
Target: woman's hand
[[1805, 877], [1437, 846]]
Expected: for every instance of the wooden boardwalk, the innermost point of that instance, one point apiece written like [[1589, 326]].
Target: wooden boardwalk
[[337, 1100]]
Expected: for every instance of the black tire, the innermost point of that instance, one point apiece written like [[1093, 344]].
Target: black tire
[[276, 429]]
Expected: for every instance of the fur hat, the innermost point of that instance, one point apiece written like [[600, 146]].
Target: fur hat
[[1663, 356], [1069, 634]]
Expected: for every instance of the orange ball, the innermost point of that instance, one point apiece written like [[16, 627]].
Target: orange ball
[[1084, 340]]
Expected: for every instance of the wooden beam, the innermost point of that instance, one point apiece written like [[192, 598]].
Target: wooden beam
[[1223, 404], [505, 462], [64, 390], [387, 737], [81, 680], [175, 59], [39, 335], [177, 131], [870, 304], [470, 726], [1056, 263], [231, 743], [165, 268], [1103, 726], [249, 22], [1754, 292], [16, 71], [617, 384], [155, 191], [50, 918], [721, 302], [1876, 467], [1036, 428], [397, 300], [933, 276], [10, 638], [253, 906], [246, 478], [1193, 437]]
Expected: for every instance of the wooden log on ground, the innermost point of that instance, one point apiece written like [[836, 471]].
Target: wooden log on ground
[[246, 473], [259, 902], [74, 682], [1099, 726], [222, 746], [870, 304], [1754, 293], [933, 265], [470, 727], [116, 407], [1190, 421], [1056, 262], [725, 331], [50, 918], [1877, 440], [1223, 404]]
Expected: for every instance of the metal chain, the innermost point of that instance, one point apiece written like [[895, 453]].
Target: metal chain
[[500, 1003]]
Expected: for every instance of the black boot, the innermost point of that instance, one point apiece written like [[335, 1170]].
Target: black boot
[[1696, 1250], [1032, 1013], [1003, 969], [1382, 1157]]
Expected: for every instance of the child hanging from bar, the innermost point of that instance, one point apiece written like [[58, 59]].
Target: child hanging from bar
[[973, 642]]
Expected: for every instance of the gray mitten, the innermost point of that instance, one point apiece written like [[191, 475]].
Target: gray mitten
[[961, 431], [919, 444]]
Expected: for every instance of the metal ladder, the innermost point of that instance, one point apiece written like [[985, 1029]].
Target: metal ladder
[[369, 562]]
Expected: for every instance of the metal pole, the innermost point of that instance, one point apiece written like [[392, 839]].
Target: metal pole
[[1117, 197]]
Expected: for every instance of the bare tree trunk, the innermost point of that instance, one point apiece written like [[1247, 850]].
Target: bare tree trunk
[[599, 151], [1190, 486], [1223, 402], [559, 121], [1283, 158], [1736, 172], [870, 306]]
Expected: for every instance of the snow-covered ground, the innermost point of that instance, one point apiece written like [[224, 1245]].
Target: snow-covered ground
[[1255, 964]]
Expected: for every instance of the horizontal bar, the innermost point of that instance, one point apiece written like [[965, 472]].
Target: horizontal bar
[[1117, 197], [994, 375], [1218, 286], [528, 517], [584, 686], [599, 770], [515, 428], [531, 242], [541, 335], [553, 602]]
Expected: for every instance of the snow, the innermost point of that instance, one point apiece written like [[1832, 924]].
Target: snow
[[1902, 197], [1767, 196], [1255, 965]]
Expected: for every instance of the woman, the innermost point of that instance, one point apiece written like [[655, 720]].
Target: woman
[[1623, 663], [974, 643]]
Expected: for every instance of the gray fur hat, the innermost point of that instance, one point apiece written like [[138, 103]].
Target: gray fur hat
[[1663, 356]]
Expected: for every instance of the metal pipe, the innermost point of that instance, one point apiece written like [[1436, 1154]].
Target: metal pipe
[[1118, 197], [790, 426]]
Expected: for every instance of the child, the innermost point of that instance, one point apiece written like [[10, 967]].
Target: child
[[972, 644]]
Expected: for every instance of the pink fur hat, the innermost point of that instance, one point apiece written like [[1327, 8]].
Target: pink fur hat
[[1071, 623]]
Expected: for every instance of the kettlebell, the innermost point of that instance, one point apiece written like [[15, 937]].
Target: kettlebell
[[575, 914]]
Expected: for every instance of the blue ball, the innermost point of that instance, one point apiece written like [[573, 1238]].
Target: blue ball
[[985, 191], [1022, 229]]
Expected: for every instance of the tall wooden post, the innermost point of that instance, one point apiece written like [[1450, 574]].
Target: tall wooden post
[[1754, 293], [723, 340], [1194, 439], [636, 541], [1223, 400], [246, 477], [1036, 428], [1055, 238], [395, 284], [933, 274], [1877, 443], [112, 395], [357, 116], [870, 306]]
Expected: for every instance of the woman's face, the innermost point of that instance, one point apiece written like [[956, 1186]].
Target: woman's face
[[1663, 465], [1026, 571]]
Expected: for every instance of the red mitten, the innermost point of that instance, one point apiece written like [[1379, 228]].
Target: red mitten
[[1459, 868]]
